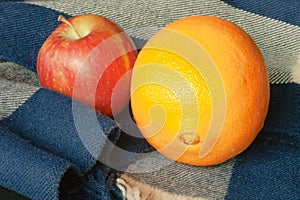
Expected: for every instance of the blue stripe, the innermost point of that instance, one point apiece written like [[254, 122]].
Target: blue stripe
[[47, 120], [23, 29], [284, 109], [29, 170], [270, 167], [283, 10]]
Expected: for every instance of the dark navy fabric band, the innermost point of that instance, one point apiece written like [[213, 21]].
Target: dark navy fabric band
[[28, 170], [284, 109], [269, 168], [23, 29], [47, 120], [283, 10]]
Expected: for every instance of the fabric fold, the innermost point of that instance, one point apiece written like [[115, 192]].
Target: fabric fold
[[28, 170], [45, 120], [48, 120]]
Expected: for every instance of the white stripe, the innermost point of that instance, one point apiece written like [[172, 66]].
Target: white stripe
[[296, 71]]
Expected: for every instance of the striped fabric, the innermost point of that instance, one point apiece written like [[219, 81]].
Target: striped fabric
[[43, 154], [142, 19]]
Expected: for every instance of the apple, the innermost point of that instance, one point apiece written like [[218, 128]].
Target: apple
[[89, 58]]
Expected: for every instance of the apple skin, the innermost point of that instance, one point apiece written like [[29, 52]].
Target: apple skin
[[85, 58]]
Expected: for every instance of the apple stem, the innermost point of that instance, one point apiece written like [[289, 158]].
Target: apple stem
[[63, 19]]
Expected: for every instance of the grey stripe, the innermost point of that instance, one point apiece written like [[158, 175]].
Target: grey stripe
[[205, 182], [296, 71], [17, 73], [278, 41], [13, 93]]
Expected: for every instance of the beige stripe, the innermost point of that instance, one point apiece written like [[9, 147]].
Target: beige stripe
[[296, 71], [13, 95], [278, 41], [17, 73], [179, 179], [17, 84]]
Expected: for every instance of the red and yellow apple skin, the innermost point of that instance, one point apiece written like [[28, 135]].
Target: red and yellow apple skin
[[84, 58]]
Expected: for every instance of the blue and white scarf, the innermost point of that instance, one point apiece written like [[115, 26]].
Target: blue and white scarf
[[42, 156]]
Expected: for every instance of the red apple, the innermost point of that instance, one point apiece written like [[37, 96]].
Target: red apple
[[84, 58]]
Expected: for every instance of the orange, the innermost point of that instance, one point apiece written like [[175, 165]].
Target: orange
[[200, 90]]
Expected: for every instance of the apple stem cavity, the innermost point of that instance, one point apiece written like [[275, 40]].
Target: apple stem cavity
[[63, 19]]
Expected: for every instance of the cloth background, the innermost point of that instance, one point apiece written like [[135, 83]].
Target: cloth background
[[43, 157]]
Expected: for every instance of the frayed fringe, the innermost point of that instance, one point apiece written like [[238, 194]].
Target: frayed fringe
[[134, 190]]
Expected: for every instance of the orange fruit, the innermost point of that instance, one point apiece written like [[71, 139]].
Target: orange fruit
[[200, 90]]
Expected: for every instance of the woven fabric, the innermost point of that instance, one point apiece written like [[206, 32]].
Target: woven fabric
[[278, 41], [45, 156], [287, 12], [19, 159]]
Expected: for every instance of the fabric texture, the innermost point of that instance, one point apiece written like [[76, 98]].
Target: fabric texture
[[19, 159], [51, 149], [285, 11]]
